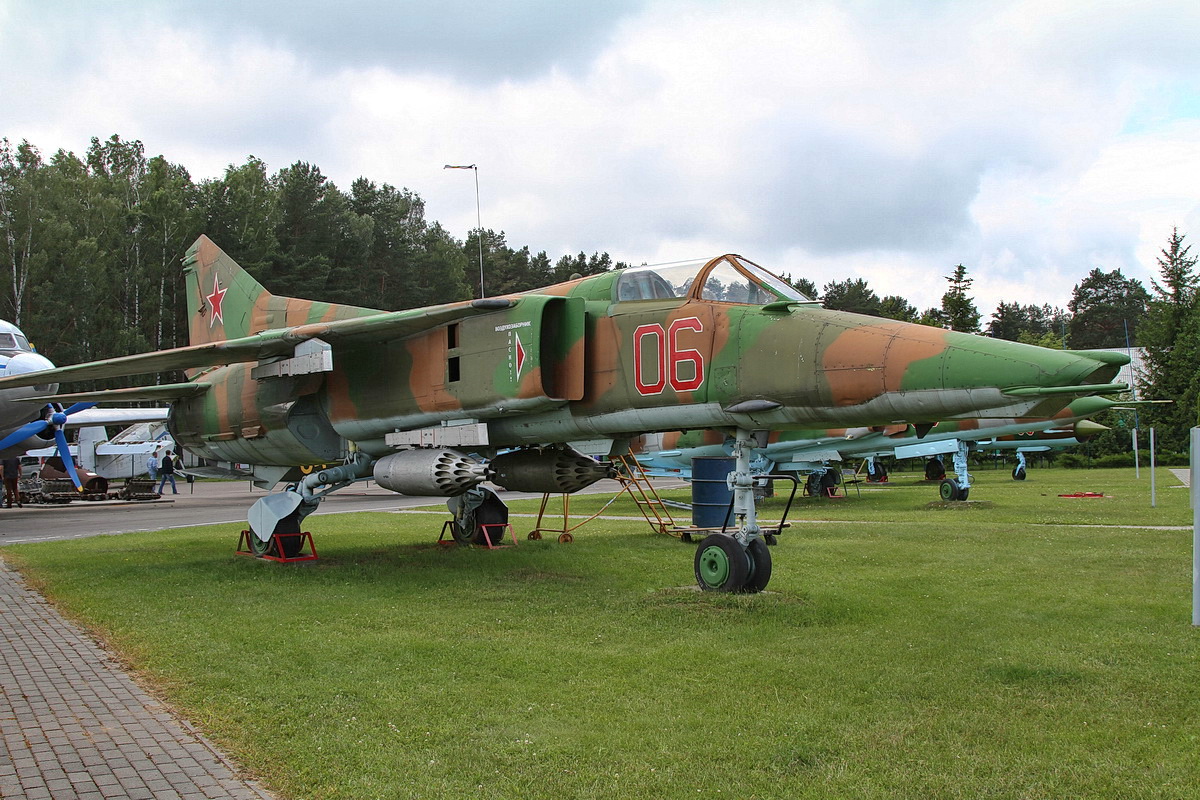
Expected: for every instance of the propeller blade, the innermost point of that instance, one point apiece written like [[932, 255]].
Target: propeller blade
[[64, 452], [78, 407], [24, 432]]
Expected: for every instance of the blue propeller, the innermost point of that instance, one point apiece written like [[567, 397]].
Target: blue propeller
[[56, 420]]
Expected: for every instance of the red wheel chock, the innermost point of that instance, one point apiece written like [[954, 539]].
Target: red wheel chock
[[491, 538], [244, 549]]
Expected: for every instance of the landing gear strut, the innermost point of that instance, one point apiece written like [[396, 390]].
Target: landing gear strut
[[1018, 472], [283, 512], [736, 562], [957, 488]]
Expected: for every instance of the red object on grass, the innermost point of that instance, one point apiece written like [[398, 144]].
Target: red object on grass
[[1083, 494]]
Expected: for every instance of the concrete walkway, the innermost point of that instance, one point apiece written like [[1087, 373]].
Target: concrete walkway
[[74, 725]]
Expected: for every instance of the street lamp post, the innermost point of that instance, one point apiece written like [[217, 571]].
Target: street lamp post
[[478, 219]]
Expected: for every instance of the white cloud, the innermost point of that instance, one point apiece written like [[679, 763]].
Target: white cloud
[[1029, 141]]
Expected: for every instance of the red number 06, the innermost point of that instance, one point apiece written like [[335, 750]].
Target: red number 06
[[669, 356]]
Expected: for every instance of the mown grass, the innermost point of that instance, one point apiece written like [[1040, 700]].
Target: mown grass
[[978, 652]]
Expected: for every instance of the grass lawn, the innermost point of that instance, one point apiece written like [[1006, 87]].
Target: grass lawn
[[902, 650]]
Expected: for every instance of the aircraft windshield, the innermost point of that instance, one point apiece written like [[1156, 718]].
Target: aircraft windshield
[[784, 291], [731, 280], [13, 341]]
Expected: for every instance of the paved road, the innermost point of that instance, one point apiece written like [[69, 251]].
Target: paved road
[[202, 503]]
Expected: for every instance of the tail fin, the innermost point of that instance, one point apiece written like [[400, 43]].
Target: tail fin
[[226, 302]]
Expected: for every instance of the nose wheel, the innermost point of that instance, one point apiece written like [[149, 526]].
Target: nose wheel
[[950, 489], [740, 563], [723, 565]]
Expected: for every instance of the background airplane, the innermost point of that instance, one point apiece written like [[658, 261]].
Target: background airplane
[[281, 383], [27, 425], [818, 454]]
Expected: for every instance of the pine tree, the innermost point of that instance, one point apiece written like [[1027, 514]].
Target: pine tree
[[1171, 337], [958, 308]]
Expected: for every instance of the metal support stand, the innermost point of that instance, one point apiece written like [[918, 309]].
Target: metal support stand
[[1194, 489]]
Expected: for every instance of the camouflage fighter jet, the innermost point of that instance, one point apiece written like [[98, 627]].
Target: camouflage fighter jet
[[401, 396], [814, 452]]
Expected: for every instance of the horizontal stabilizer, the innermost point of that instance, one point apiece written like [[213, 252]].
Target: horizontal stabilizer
[[163, 393]]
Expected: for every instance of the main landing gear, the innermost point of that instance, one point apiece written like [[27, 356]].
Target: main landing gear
[[736, 562], [283, 512]]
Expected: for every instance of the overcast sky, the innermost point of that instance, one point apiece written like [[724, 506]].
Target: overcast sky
[[1030, 141]]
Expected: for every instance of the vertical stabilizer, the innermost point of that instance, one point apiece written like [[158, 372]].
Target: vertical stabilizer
[[226, 302], [221, 296]]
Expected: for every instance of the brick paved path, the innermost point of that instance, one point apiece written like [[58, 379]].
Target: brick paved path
[[74, 725]]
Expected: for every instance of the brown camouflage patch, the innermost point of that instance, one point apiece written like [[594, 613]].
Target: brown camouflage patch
[[862, 363]]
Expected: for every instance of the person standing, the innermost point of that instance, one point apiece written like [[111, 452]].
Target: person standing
[[152, 465], [166, 471], [11, 468]]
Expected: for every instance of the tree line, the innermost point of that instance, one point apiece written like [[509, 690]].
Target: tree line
[[90, 246], [90, 250]]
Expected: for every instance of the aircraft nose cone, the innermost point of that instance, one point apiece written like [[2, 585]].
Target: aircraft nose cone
[[22, 363], [1009, 378], [979, 361]]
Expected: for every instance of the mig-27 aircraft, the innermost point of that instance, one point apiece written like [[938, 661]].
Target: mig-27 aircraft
[[404, 396]]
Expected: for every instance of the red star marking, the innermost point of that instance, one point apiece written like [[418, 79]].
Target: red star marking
[[520, 355], [214, 300]]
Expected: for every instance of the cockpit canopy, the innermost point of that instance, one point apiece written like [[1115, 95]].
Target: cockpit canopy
[[727, 279]]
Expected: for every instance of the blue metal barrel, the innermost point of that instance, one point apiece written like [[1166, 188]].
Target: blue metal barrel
[[710, 491]]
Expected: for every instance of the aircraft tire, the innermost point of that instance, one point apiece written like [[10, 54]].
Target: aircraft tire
[[963, 492], [1018, 473], [949, 490], [461, 534], [721, 564], [259, 547], [760, 567], [829, 482], [290, 545], [934, 470]]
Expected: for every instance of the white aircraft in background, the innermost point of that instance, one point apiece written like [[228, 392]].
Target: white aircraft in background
[[27, 426]]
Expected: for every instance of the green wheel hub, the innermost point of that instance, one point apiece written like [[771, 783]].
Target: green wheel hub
[[258, 546], [721, 564], [714, 566]]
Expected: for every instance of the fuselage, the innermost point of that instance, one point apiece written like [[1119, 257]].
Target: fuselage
[[17, 357], [712, 344]]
